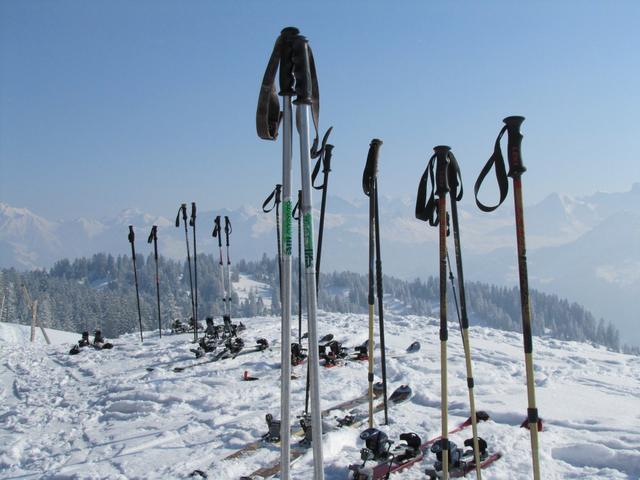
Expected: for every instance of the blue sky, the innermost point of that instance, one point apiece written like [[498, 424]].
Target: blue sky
[[111, 104]]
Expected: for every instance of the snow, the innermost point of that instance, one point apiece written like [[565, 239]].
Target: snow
[[246, 285], [14, 333], [101, 414]]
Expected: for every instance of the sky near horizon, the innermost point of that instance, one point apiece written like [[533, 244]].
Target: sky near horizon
[[106, 105]]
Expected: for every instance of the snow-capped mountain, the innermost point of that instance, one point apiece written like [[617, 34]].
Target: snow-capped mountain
[[584, 248]]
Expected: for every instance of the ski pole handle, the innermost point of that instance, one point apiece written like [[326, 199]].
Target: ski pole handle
[[514, 154], [371, 167], [227, 228], [217, 231], [132, 236], [192, 220], [442, 169], [286, 74], [183, 210], [326, 161], [153, 235], [301, 70]]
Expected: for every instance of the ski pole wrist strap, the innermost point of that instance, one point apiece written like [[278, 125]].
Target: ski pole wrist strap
[[426, 208], [324, 158], [497, 162], [153, 235], [455, 178], [295, 212], [268, 114], [217, 231], [275, 196]]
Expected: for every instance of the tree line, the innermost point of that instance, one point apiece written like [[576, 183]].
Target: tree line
[[98, 292]]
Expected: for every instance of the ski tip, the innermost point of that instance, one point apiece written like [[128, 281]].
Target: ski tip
[[199, 473], [414, 347], [482, 416], [401, 394]]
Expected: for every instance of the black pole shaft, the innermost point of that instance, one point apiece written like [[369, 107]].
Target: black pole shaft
[[379, 293], [300, 269], [186, 237], [279, 250], [195, 271], [323, 206], [155, 254], [135, 276]]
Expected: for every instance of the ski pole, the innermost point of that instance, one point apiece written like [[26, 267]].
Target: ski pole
[[217, 232], [132, 238], [306, 96], [516, 169], [436, 214], [268, 117], [275, 195], [227, 232], [296, 216], [192, 223], [442, 188], [324, 159], [379, 293], [153, 237], [455, 195], [368, 181], [183, 210]]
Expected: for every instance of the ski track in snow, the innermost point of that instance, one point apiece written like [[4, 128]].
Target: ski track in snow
[[101, 414]]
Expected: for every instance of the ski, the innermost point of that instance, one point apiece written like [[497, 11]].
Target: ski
[[398, 462], [401, 395], [466, 467], [361, 355], [297, 431], [262, 344]]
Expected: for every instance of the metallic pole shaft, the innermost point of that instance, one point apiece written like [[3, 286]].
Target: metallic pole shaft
[[285, 282], [303, 110], [442, 213]]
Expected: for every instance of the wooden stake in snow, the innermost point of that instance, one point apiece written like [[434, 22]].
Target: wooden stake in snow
[[33, 306]]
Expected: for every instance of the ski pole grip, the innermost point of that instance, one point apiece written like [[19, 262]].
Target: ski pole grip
[[278, 190], [227, 228], [287, 79], [132, 236], [193, 210], [216, 231], [153, 235], [326, 161], [301, 70], [442, 169], [514, 145], [371, 167]]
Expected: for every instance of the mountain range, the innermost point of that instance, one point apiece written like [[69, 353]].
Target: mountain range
[[586, 249]]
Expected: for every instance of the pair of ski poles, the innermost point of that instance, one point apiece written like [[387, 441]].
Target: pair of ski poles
[[447, 179], [294, 59], [224, 277], [153, 237]]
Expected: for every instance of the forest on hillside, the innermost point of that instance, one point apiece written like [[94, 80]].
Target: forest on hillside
[[98, 292]]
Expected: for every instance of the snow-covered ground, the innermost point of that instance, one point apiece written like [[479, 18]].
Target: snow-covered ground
[[101, 414], [14, 333]]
